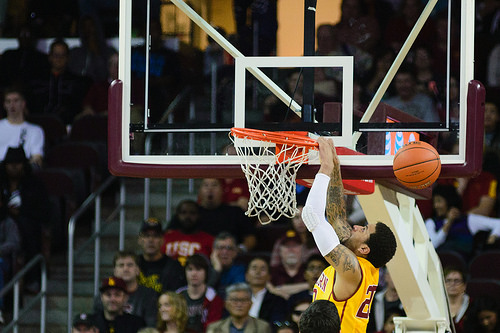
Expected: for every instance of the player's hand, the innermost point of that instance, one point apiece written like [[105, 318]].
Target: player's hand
[[327, 155]]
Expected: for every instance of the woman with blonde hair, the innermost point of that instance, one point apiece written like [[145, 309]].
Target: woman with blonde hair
[[172, 313]]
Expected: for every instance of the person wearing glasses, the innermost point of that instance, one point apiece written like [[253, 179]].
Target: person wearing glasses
[[224, 271], [454, 279], [238, 304]]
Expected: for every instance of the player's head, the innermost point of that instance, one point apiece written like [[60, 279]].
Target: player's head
[[320, 316], [382, 244]]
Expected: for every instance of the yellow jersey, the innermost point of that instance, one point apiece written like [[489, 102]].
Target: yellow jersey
[[354, 311]]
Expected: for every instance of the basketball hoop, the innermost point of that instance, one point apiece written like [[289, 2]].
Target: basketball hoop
[[271, 170]]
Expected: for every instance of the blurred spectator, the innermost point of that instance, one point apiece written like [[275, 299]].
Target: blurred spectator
[[96, 100], [288, 277], [298, 309], [315, 265], [186, 239], [384, 302], [427, 80], [236, 192], [28, 205], [389, 326], [358, 33], [408, 99], [275, 110], [17, 132], [483, 316], [401, 24], [256, 36], [21, 65], [90, 59], [327, 40], [141, 301], [204, 305], [158, 271], [308, 247], [10, 244], [479, 193], [83, 323], [224, 271], [172, 313], [449, 229], [383, 61], [238, 303], [59, 91], [493, 69], [265, 305], [440, 46], [112, 318], [492, 128], [165, 79], [455, 283], [216, 216], [320, 316], [285, 327]]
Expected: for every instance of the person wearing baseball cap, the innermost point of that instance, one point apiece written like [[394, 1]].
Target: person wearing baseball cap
[[158, 271], [112, 318], [83, 323]]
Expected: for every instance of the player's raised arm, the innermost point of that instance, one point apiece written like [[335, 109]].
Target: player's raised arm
[[335, 203], [327, 239]]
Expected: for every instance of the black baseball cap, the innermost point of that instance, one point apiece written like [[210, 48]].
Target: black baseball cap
[[151, 223], [113, 282], [83, 319]]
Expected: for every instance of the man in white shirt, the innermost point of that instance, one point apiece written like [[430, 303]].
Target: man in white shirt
[[15, 131]]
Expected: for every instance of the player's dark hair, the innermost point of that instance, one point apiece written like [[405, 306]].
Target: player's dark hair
[[320, 316], [382, 244]]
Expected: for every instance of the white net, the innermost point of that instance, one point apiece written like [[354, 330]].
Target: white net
[[271, 174]]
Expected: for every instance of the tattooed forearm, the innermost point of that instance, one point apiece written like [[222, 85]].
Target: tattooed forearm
[[342, 259], [335, 206]]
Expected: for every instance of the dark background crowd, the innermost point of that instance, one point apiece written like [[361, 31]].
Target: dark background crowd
[[55, 104]]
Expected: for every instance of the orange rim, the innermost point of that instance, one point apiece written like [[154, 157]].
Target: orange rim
[[275, 137]]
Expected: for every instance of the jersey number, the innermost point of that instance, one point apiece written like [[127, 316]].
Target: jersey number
[[370, 292]]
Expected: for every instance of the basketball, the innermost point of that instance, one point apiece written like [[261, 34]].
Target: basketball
[[417, 165]]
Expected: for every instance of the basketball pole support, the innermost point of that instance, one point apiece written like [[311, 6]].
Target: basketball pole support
[[415, 268]]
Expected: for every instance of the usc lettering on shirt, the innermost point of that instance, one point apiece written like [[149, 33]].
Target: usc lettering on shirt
[[178, 244], [354, 311], [182, 248]]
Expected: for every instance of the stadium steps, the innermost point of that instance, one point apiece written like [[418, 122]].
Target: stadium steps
[[84, 263]]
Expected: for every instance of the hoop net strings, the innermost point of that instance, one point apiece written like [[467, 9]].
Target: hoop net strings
[[271, 174]]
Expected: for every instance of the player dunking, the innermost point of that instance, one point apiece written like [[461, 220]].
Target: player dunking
[[354, 253]]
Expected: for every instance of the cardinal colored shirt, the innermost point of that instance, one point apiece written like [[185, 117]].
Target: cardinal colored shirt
[[354, 311], [178, 245]]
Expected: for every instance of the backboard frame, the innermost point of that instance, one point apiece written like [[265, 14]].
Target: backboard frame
[[121, 163]]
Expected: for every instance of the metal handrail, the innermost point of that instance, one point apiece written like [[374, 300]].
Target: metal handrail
[[94, 197], [40, 296]]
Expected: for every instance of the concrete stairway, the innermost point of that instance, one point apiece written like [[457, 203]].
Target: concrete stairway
[[57, 302]]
